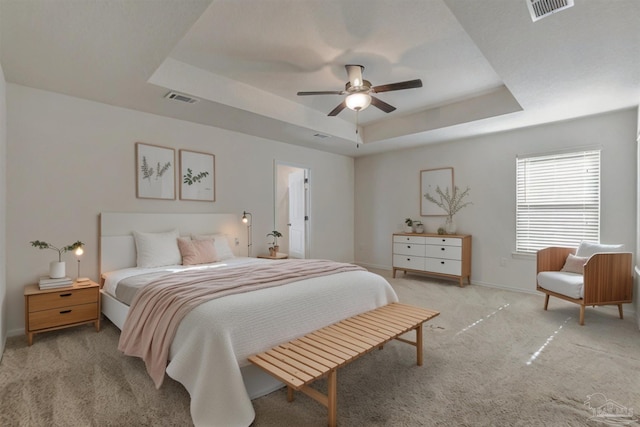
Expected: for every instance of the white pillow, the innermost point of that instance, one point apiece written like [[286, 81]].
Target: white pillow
[[574, 264], [157, 249], [220, 242], [586, 249]]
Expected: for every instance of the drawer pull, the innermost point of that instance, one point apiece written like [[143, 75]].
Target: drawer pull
[[65, 311], [444, 240], [442, 249], [408, 246], [66, 295], [408, 259], [441, 262]]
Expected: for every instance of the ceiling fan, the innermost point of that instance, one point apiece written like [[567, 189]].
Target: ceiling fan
[[359, 92]]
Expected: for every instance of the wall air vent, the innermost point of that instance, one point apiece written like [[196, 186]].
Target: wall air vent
[[181, 97], [321, 135], [542, 8]]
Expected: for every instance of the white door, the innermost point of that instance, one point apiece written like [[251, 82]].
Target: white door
[[296, 214]]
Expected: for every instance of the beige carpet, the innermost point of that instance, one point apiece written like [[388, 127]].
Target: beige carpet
[[492, 358]]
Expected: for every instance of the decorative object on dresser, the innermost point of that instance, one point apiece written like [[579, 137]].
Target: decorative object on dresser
[[433, 254], [419, 227], [273, 249], [197, 176], [408, 225], [56, 268], [450, 203], [51, 309], [79, 252], [155, 176]]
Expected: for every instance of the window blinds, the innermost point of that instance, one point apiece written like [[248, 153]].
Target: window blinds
[[558, 200]]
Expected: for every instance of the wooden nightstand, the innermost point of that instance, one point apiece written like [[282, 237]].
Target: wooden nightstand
[[279, 255], [50, 309]]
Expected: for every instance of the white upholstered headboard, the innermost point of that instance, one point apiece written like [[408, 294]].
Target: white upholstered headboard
[[117, 247]]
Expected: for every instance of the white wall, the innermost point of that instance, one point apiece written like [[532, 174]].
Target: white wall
[[3, 211], [387, 191], [70, 159]]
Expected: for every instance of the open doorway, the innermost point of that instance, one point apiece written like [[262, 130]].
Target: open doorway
[[291, 209]]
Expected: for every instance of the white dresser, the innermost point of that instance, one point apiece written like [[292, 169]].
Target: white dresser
[[440, 255]]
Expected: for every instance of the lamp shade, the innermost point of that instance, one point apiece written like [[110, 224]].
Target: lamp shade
[[358, 101]]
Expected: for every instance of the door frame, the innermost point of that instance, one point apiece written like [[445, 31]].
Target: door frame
[[307, 202]]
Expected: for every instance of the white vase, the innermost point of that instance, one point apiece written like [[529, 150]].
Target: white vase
[[56, 269], [450, 226], [408, 229], [420, 229]]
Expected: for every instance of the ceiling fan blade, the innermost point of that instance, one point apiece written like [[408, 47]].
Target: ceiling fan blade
[[322, 92], [409, 84], [387, 108], [339, 108], [355, 74]]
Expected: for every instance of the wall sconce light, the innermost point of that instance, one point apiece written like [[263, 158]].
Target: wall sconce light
[[78, 252], [248, 220]]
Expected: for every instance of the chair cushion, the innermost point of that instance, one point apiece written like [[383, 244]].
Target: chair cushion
[[586, 249], [568, 284]]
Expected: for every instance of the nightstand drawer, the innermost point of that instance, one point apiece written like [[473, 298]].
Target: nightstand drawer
[[62, 316], [62, 298]]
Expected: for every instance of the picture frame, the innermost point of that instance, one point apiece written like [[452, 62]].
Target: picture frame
[[430, 179], [155, 172], [197, 176]]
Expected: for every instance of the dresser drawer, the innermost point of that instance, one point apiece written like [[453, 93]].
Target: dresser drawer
[[63, 298], [446, 252], [409, 239], [406, 261], [62, 316], [448, 241], [408, 249], [443, 266]]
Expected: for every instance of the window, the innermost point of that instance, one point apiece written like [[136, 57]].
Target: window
[[558, 200]]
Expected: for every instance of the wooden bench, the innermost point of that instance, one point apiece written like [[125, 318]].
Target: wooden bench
[[300, 362]]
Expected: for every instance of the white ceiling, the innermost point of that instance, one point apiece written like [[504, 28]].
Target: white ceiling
[[485, 65]]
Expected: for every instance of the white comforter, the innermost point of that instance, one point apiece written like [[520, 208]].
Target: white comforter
[[215, 339]]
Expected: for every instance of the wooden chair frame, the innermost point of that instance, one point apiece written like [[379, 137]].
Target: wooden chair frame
[[608, 278]]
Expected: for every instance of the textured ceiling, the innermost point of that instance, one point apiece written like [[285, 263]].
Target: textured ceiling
[[485, 65]]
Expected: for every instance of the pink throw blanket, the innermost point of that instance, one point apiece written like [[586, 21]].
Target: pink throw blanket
[[158, 308]]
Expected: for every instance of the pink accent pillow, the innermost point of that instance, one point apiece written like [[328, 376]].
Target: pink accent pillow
[[197, 251], [574, 264]]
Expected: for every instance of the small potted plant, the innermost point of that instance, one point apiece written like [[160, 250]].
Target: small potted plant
[[273, 250], [408, 227], [56, 268]]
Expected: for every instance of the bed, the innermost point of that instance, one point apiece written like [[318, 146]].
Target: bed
[[209, 352]]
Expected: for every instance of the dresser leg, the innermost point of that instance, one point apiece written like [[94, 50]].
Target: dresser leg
[[29, 338]]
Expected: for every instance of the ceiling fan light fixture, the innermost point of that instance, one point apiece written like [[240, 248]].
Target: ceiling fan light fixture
[[358, 101]]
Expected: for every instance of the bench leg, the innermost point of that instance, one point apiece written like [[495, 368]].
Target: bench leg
[[289, 393], [546, 301], [581, 314], [332, 395], [620, 310], [419, 344]]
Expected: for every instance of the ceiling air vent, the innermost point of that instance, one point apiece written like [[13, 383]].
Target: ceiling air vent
[[543, 8], [181, 97]]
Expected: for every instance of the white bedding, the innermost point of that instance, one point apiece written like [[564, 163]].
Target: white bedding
[[207, 359]]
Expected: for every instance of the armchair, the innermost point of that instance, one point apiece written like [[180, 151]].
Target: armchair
[[607, 278]]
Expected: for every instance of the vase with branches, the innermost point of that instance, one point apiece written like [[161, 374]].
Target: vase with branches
[[450, 202], [56, 268], [273, 249]]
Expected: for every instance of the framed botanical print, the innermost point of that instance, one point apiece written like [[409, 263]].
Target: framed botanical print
[[430, 180], [155, 172], [197, 176]]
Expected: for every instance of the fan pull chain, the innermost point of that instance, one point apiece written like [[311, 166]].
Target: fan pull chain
[[357, 139]]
